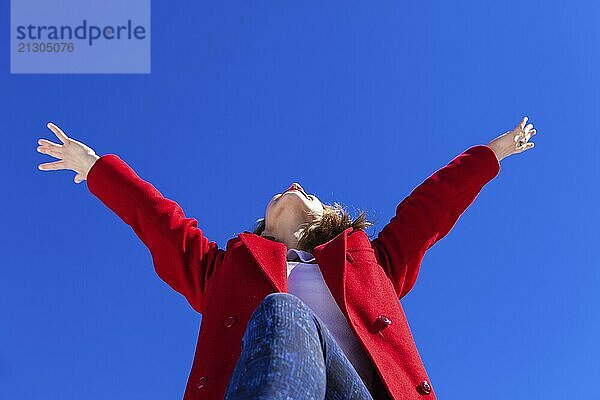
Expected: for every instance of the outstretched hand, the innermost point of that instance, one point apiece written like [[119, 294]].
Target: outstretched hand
[[72, 154], [513, 142]]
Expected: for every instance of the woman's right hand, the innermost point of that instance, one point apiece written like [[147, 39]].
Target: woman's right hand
[[72, 154]]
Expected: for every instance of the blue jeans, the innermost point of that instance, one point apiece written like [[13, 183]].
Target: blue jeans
[[288, 353]]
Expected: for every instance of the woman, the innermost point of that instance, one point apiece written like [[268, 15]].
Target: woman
[[306, 306]]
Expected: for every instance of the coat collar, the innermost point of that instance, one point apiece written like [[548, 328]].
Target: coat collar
[[271, 258], [268, 254], [331, 257]]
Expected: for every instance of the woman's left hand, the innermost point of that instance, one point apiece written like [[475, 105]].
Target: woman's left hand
[[513, 142]]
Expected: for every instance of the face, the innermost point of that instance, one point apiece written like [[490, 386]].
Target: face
[[286, 211]]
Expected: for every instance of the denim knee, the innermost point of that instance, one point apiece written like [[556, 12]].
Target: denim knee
[[277, 298], [274, 301]]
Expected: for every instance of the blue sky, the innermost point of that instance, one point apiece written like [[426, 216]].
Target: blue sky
[[359, 102]]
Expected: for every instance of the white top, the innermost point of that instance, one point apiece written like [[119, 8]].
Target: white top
[[306, 282]]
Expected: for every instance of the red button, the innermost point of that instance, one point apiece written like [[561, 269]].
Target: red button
[[424, 387], [230, 321], [202, 382]]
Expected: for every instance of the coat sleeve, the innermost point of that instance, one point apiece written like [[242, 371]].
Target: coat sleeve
[[429, 212], [183, 257]]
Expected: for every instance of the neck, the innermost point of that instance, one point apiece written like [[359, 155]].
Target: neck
[[290, 239]]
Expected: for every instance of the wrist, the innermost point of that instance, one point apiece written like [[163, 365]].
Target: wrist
[[89, 163], [499, 154]]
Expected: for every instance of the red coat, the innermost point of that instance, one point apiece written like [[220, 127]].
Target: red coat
[[366, 277]]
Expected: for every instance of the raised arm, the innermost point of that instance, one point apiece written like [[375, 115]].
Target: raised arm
[[183, 257], [433, 207]]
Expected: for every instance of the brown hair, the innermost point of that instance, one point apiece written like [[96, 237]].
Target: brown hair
[[334, 221]]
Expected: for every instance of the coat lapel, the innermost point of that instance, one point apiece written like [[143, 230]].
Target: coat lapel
[[270, 257], [331, 257]]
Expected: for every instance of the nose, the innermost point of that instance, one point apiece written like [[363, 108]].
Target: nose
[[296, 186]]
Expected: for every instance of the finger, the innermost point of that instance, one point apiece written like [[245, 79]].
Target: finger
[[526, 146], [58, 132], [52, 166], [44, 142], [50, 151], [530, 134], [528, 128], [78, 178], [523, 122]]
